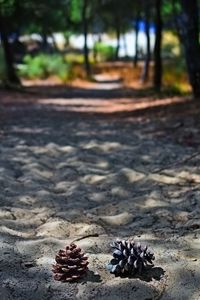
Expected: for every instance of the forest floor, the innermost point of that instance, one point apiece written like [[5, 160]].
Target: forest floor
[[95, 162]]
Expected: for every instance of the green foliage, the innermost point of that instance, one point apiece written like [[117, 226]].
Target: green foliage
[[76, 8], [43, 66], [104, 52], [170, 50], [175, 75], [171, 46], [34, 16], [74, 58], [117, 12], [6, 7], [170, 7]]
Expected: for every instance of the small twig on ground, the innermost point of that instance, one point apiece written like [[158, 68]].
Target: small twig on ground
[[179, 162], [85, 237]]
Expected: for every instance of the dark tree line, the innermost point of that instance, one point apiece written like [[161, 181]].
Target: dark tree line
[[78, 16]]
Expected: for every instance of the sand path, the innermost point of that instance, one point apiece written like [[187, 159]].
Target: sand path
[[70, 167]]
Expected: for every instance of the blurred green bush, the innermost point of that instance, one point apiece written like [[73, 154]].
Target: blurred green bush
[[171, 45], [44, 65], [103, 51]]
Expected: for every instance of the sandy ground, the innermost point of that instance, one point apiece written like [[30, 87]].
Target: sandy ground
[[96, 164]]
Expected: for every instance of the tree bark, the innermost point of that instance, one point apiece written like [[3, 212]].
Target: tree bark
[[157, 49], [125, 45], [118, 34], [54, 42], [189, 31], [145, 73], [46, 47], [135, 61], [11, 75], [85, 33], [44, 41]]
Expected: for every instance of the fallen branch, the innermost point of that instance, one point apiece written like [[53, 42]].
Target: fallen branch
[[85, 237], [180, 162]]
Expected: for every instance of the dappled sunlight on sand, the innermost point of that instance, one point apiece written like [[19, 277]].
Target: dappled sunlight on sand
[[93, 175], [107, 106]]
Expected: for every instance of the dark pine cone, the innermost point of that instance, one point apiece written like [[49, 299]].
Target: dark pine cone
[[71, 264], [129, 258]]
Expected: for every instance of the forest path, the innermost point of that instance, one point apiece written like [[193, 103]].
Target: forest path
[[103, 163]]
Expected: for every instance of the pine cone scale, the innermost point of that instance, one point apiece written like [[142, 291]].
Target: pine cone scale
[[65, 270]]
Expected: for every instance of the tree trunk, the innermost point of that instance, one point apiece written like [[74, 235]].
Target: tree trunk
[[11, 75], [135, 61], [189, 31], [99, 38], [125, 45], [118, 34], [145, 73], [45, 45], [54, 42], [85, 33], [157, 49]]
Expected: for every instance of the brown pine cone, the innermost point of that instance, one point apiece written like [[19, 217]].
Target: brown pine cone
[[71, 264]]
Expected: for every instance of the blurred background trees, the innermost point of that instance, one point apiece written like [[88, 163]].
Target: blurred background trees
[[45, 38]]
